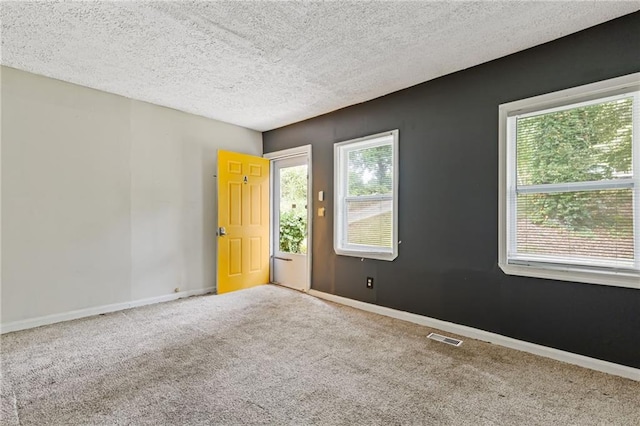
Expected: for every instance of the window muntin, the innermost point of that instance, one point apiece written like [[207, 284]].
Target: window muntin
[[570, 203], [366, 197]]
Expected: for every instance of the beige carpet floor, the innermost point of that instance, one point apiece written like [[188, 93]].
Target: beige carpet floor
[[269, 355]]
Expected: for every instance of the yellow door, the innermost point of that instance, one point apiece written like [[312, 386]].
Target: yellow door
[[243, 221]]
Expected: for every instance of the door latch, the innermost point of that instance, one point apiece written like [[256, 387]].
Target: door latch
[[221, 231]]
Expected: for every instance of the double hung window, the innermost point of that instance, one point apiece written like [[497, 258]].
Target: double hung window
[[366, 197], [570, 184]]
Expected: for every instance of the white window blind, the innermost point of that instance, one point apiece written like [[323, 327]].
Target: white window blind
[[366, 191], [572, 186]]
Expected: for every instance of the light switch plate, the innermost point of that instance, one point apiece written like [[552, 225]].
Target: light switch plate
[[320, 195]]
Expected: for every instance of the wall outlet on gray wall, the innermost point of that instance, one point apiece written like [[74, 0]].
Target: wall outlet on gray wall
[[369, 282]]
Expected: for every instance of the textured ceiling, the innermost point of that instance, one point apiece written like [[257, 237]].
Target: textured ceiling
[[264, 65]]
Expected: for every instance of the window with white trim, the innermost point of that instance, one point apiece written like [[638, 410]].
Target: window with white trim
[[366, 197], [570, 184]]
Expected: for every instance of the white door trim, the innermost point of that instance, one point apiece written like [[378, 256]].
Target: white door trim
[[299, 151]]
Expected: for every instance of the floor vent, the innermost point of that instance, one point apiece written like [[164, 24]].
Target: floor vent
[[444, 339]]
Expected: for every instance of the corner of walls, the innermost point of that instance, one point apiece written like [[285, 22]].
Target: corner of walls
[[110, 200], [447, 266], [173, 187]]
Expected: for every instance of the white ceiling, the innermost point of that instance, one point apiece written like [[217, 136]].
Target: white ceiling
[[263, 65]]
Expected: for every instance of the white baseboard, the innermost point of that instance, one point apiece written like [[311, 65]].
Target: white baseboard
[[97, 310], [486, 336]]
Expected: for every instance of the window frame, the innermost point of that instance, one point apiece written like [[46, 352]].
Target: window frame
[[341, 199], [552, 267]]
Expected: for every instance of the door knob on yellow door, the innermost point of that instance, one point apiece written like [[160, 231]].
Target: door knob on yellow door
[[222, 232]]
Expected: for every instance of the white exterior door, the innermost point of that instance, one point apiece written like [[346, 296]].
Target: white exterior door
[[291, 210]]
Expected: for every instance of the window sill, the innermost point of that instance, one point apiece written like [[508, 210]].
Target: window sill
[[366, 254], [574, 274]]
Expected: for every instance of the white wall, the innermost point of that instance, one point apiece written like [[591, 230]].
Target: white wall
[[104, 199]]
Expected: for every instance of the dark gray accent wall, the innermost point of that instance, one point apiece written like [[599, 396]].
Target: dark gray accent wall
[[447, 264]]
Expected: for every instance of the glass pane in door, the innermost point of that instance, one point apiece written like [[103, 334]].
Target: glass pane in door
[[293, 209]]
